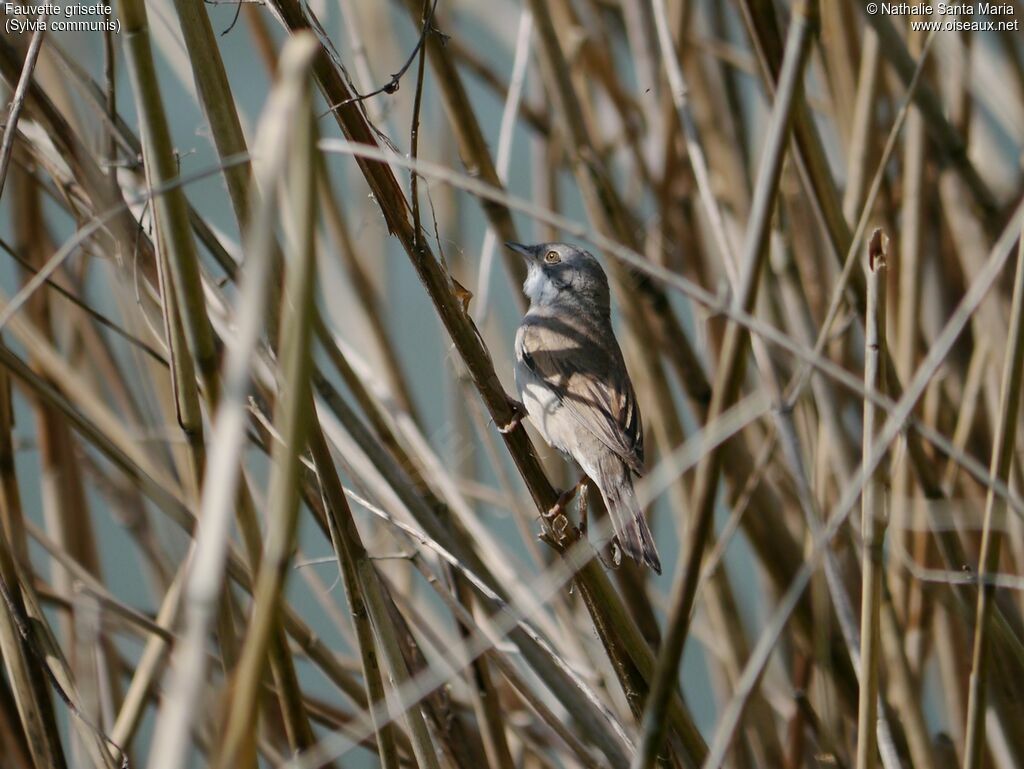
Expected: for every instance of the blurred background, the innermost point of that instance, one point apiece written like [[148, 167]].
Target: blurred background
[[724, 160]]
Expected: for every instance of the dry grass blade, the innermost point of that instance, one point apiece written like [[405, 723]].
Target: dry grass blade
[[993, 530], [727, 384], [391, 650], [873, 513], [693, 146], [349, 551], [888, 432], [619, 635], [18, 102], [171, 208], [204, 584], [29, 683], [220, 365], [292, 417]]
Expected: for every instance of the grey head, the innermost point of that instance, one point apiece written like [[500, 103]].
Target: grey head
[[562, 274]]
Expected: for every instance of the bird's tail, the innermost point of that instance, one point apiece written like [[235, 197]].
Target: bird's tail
[[628, 520]]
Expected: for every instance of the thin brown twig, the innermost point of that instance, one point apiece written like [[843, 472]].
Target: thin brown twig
[[394, 82], [18, 101]]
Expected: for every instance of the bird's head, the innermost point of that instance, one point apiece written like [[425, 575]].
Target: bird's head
[[561, 273]]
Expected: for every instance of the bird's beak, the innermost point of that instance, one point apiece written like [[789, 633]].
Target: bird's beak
[[528, 252]]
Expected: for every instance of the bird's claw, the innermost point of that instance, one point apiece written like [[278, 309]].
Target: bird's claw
[[518, 413], [584, 506], [558, 509], [613, 558], [557, 529], [558, 523]]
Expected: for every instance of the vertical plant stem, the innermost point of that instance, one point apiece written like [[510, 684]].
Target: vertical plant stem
[[219, 105], [171, 207], [398, 669], [29, 684], [995, 515], [908, 311], [618, 632], [18, 101], [216, 98], [65, 511], [863, 122], [727, 386], [292, 419], [183, 377], [872, 508], [903, 692], [349, 550], [208, 559], [472, 143], [693, 146]]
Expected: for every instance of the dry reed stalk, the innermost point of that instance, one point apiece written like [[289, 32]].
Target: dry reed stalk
[[728, 379], [204, 582], [902, 689], [473, 147], [873, 508], [29, 685], [18, 101], [293, 413], [945, 135], [63, 485], [489, 660], [720, 601], [908, 311], [171, 207], [992, 533], [348, 547], [601, 599], [219, 106], [765, 365]]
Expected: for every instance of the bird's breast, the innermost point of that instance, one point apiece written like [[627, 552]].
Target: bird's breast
[[543, 408]]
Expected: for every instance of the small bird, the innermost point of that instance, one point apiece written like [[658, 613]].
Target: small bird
[[574, 386]]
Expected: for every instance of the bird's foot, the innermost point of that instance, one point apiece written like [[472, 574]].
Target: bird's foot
[[557, 530], [584, 504], [558, 523], [611, 556], [562, 503], [518, 413]]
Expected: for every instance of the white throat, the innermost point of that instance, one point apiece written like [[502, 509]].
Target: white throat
[[538, 287]]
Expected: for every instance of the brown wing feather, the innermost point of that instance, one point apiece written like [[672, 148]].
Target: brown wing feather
[[590, 380]]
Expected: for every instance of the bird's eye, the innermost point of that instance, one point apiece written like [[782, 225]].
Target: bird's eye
[[552, 257]]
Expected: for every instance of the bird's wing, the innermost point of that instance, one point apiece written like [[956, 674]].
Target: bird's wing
[[589, 377]]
